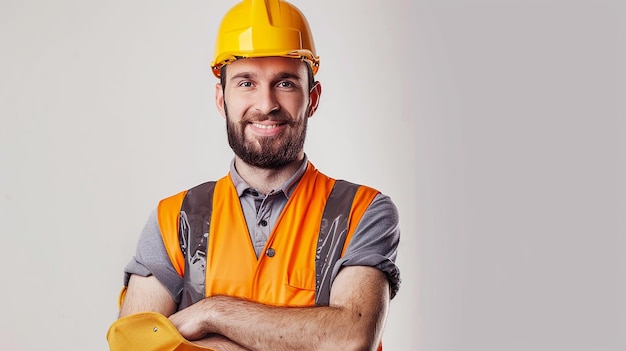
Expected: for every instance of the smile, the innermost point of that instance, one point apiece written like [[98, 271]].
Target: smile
[[265, 126]]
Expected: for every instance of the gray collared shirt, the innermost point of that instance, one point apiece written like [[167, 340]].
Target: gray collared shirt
[[262, 210], [374, 243]]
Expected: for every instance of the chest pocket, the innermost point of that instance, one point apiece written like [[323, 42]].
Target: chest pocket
[[302, 278]]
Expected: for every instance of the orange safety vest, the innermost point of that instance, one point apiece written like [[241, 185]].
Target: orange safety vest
[[206, 238]]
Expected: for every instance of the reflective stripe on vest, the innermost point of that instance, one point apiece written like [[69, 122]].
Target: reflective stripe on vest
[[207, 240]]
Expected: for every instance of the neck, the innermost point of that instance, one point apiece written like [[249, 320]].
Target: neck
[[266, 180]]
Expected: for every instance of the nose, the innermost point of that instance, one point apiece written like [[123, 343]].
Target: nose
[[266, 101]]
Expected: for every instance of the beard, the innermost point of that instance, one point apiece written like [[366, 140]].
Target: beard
[[267, 152]]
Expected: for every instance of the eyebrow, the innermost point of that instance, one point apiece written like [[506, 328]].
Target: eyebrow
[[288, 75], [242, 75], [280, 75]]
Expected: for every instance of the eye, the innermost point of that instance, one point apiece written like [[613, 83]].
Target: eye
[[286, 84], [245, 84]]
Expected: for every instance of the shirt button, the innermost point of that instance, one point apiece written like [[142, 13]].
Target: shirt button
[[270, 252], [263, 223]]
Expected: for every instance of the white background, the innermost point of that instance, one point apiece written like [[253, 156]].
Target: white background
[[496, 126]]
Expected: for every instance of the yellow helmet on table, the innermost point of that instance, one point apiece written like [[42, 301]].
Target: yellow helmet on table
[[262, 28]]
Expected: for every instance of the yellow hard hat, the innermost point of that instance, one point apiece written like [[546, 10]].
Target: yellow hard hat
[[261, 28]]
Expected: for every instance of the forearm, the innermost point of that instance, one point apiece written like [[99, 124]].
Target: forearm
[[353, 321], [220, 343], [261, 327]]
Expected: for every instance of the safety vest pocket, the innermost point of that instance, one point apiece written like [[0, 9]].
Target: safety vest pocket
[[302, 278]]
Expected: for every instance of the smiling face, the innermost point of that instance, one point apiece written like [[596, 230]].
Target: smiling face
[[266, 103]]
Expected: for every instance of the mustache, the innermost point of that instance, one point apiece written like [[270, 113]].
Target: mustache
[[275, 116]]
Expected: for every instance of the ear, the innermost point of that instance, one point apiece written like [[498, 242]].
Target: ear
[[219, 99], [314, 98]]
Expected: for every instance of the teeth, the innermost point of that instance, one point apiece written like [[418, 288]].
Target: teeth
[[265, 126]]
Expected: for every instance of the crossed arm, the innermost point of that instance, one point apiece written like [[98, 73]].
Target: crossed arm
[[354, 320]]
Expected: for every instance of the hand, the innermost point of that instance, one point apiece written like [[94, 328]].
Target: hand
[[191, 321]]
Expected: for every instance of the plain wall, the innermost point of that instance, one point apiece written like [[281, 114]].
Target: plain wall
[[497, 127]]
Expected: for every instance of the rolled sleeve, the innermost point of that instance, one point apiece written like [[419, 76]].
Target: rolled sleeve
[[151, 258], [375, 242]]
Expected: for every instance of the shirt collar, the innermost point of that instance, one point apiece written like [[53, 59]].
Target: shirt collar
[[287, 188]]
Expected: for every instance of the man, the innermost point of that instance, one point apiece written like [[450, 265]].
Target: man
[[276, 255]]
